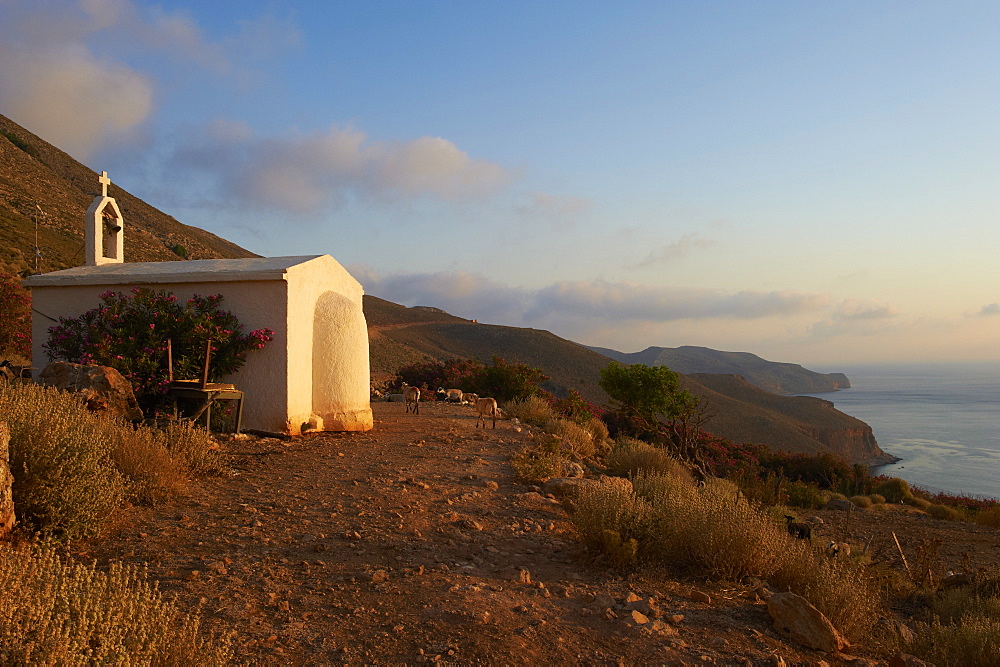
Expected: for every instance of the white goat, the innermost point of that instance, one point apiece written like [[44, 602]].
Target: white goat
[[412, 397], [487, 407]]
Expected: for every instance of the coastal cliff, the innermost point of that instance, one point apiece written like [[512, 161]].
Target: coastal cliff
[[743, 412]]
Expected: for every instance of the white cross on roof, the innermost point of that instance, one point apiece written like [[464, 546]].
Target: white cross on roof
[[105, 182]]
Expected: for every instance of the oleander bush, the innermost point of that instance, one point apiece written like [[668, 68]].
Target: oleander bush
[[15, 325], [129, 332], [56, 612]]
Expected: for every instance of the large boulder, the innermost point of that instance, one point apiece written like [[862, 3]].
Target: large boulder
[[102, 388], [7, 519], [796, 619]]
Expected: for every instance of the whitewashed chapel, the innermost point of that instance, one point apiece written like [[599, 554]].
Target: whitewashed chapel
[[314, 371]]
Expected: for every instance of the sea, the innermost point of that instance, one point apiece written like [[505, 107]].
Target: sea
[[942, 420]]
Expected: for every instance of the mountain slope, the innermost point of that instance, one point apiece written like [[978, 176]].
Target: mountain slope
[[777, 377], [738, 410], [35, 173]]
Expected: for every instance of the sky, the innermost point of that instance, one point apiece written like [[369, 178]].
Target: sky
[[812, 182]]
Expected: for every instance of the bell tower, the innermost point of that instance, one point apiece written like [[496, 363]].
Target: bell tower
[[104, 229]]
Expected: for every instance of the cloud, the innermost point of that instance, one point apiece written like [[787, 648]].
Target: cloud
[[990, 310], [856, 317], [561, 211], [303, 173], [71, 99], [676, 250], [629, 301], [64, 70], [561, 304]]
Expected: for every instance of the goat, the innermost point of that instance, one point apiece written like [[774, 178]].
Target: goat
[[798, 529], [487, 407], [470, 398], [453, 395], [412, 396], [834, 549], [7, 371]]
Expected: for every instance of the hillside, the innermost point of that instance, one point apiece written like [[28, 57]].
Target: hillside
[[33, 173], [738, 410], [777, 377]]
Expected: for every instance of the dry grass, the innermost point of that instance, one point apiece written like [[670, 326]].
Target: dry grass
[[53, 612]]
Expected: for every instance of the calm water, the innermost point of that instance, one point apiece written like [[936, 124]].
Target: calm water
[[943, 420]]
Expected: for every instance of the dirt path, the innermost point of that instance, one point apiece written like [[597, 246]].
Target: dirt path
[[412, 543]]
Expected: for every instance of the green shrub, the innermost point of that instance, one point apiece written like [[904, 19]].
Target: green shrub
[[864, 502], [53, 612], [806, 496], [894, 489], [945, 513]]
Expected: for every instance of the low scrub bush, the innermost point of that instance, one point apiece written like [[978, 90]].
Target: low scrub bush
[[945, 513], [54, 612], [610, 517], [893, 489], [576, 443], [877, 499], [533, 410], [72, 469], [804, 495], [715, 531], [974, 640], [65, 479], [919, 503], [864, 502], [989, 518], [630, 457]]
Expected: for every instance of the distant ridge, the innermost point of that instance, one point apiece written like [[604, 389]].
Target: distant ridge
[[34, 172], [773, 376], [737, 409]]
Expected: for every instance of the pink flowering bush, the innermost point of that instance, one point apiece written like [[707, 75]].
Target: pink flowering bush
[[15, 325], [129, 332]]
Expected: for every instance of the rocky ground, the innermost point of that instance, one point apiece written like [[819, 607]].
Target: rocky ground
[[414, 542]]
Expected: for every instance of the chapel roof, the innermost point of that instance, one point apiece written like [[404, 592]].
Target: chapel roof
[[188, 271]]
